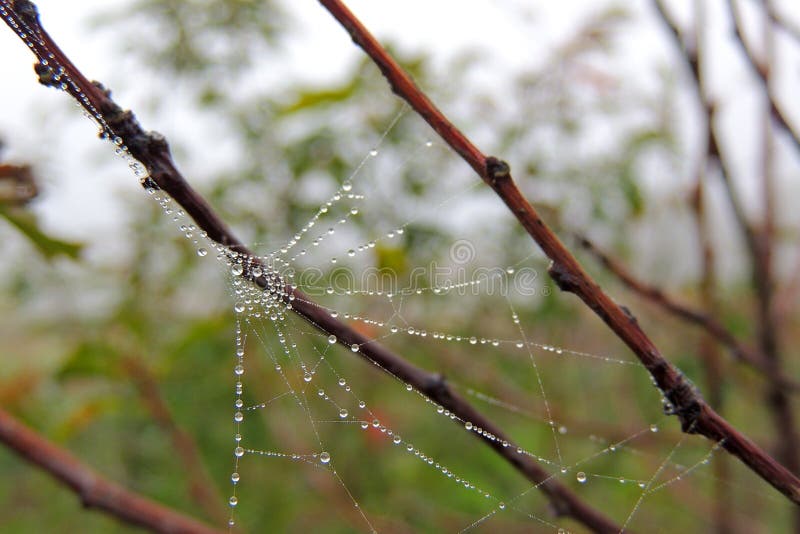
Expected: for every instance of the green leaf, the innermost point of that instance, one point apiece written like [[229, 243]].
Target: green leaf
[[48, 246], [90, 360], [314, 98]]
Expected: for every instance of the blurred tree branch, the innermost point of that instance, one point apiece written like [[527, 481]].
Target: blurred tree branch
[[708, 322], [151, 149], [94, 490], [201, 486], [694, 413]]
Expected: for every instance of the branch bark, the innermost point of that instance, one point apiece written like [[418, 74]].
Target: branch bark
[[764, 282], [93, 490], [152, 150], [704, 320], [686, 402]]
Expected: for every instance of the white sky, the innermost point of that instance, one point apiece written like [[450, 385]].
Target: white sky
[[40, 127]]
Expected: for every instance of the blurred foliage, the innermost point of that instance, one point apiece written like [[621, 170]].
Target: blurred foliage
[[65, 367]]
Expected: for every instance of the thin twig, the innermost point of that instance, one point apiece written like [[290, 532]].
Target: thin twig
[[94, 490], [201, 486], [690, 54], [758, 242], [764, 284], [761, 70], [694, 413], [152, 151], [708, 322]]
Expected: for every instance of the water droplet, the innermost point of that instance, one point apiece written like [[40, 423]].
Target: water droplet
[[238, 417], [238, 452], [347, 186], [581, 477], [354, 347], [325, 457], [235, 477], [351, 252], [239, 370], [307, 377], [473, 340], [353, 211], [468, 425], [202, 252], [343, 413], [237, 269], [233, 501], [332, 339], [502, 506], [238, 307], [373, 152], [653, 428]]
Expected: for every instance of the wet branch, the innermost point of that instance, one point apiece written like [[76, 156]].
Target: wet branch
[[93, 490], [695, 414], [151, 149]]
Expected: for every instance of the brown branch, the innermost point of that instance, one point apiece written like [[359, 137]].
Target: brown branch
[[151, 150], [691, 56], [708, 322], [758, 241], [762, 71], [708, 349], [695, 415], [201, 486], [788, 443], [93, 490]]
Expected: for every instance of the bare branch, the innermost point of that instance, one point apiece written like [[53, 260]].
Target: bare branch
[[710, 324], [93, 490], [761, 69], [695, 415], [201, 486], [758, 240]]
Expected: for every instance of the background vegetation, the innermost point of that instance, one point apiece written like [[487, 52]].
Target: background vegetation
[[126, 358]]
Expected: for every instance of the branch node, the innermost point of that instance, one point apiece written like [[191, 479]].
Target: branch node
[[629, 314], [497, 169], [436, 386], [563, 277], [685, 401], [27, 11], [46, 75], [106, 91], [157, 143]]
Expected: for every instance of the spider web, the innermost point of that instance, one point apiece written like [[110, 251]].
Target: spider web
[[304, 377], [287, 369]]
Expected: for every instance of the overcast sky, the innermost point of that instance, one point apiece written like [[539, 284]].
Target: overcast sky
[[39, 127]]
